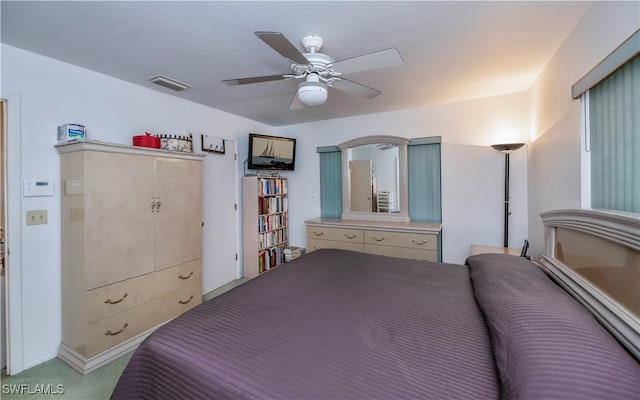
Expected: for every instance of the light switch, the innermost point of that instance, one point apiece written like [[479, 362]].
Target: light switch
[[73, 187], [36, 217]]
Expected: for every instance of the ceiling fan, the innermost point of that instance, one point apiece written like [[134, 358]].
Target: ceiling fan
[[319, 71]]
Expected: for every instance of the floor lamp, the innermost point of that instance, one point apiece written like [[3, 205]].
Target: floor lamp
[[506, 149]]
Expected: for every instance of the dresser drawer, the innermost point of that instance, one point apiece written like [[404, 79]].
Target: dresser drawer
[[402, 239], [109, 332], [315, 244], [335, 234], [113, 299], [402, 252]]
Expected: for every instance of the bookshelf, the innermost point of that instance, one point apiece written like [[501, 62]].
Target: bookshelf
[[265, 223]]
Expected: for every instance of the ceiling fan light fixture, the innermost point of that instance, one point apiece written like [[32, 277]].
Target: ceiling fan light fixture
[[312, 93]]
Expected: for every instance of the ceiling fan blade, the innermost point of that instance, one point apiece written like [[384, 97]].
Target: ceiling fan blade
[[355, 88], [283, 46], [295, 104], [255, 79], [366, 62]]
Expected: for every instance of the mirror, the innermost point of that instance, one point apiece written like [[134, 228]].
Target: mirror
[[374, 178]]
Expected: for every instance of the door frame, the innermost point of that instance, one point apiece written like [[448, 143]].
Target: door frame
[[231, 149], [13, 234], [236, 179]]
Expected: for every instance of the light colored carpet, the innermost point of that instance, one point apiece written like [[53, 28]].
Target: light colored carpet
[[63, 382]]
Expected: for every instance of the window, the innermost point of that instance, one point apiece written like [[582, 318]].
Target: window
[[614, 128], [611, 98]]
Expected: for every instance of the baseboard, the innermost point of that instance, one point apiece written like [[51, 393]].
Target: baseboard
[[87, 365], [222, 289]]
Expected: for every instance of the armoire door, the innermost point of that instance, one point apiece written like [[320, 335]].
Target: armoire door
[[178, 217], [119, 240]]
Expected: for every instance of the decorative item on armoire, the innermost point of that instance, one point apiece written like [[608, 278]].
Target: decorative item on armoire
[[181, 143], [147, 140]]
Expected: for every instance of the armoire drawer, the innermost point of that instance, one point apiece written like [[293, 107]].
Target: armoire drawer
[[401, 239], [336, 234], [115, 298], [109, 332]]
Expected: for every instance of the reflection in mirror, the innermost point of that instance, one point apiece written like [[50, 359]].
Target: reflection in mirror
[[374, 178]]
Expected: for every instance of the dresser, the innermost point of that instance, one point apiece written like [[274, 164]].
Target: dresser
[[131, 246], [413, 240], [480, 249]]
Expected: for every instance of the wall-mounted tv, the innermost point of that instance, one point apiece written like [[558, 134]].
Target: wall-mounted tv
[[271, 152]]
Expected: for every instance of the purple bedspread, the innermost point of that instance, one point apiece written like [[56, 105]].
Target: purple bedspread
[[331, 325], [546, 344]]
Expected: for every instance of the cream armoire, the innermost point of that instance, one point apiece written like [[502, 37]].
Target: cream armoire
[[131, 223]]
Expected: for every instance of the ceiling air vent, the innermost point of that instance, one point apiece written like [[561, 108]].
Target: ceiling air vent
[[169, 83]]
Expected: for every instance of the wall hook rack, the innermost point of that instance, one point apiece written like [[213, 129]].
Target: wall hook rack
[[213, 145]]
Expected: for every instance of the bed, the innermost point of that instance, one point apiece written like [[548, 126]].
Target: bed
[[336, 324]]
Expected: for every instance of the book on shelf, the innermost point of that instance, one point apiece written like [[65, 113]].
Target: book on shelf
[[271, 222], [273, 186], [265, 206], [293, 252], [272, 205], [271, 258]]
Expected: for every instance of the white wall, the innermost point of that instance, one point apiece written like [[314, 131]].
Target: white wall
[[554, 167], [53, 93], [472, 172]]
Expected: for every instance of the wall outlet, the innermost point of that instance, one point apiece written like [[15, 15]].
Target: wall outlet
[[36, 217]]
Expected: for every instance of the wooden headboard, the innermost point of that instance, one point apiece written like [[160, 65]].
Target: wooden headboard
[[595, 256]]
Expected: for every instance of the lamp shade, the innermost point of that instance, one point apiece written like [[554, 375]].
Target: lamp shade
[[312, 93], [507, 146]]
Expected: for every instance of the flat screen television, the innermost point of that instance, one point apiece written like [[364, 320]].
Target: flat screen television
[[271, 152]]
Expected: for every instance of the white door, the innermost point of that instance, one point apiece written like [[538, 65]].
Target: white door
[[220, 216], [361, 185]]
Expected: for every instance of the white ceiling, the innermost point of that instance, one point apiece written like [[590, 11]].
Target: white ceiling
[[453, 51]]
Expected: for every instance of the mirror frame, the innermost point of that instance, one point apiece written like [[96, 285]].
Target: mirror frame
[[403, 214]]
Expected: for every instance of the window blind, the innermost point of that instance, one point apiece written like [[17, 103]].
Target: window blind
[[330, 182], [614, 127], [423, 157]]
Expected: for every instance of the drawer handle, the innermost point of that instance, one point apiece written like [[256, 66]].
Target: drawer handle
[[376, 239], [109, 333], [350, 236], [185, 301], [318, 234], [109, 301], [186, 277], [420, 243]]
